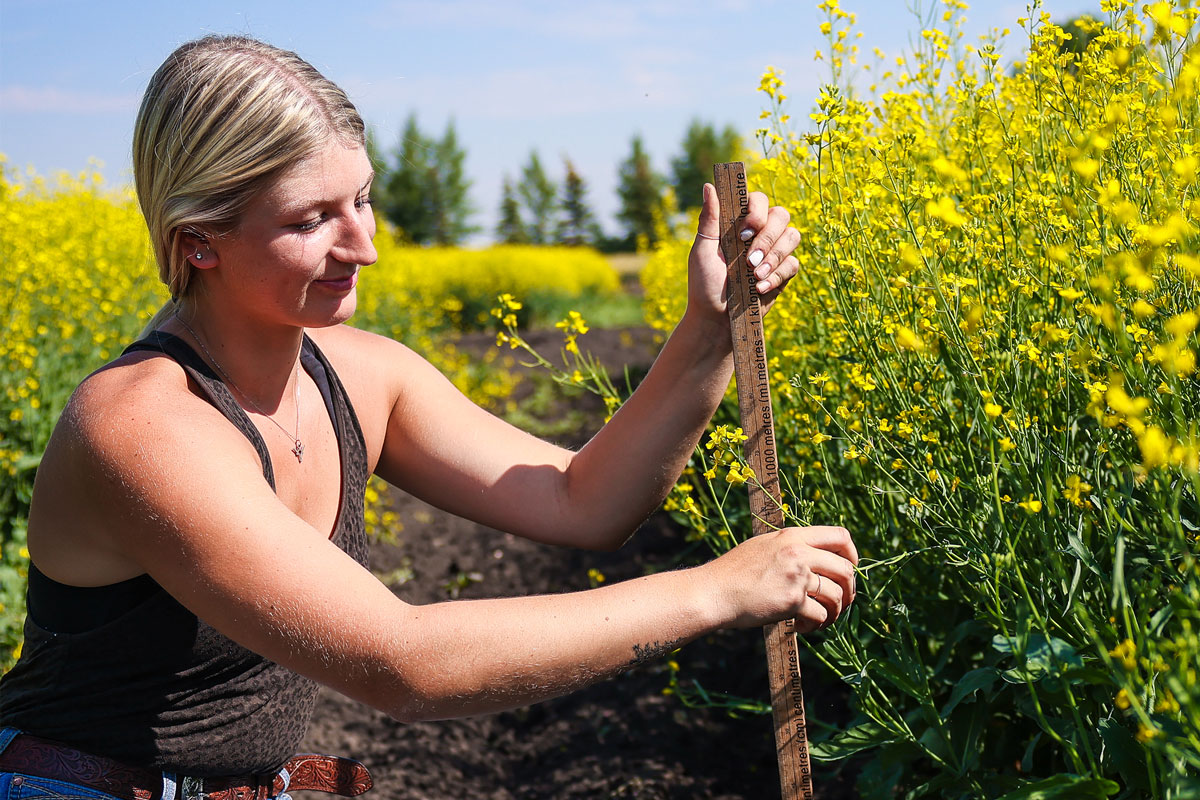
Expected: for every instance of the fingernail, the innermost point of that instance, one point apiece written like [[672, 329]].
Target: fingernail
[[762, 270], [762, 286], [745, 235], [755, 258]]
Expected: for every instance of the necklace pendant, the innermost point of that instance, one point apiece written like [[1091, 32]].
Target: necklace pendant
[[298, 451]]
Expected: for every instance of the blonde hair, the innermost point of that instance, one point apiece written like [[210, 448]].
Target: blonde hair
[[221, 119]]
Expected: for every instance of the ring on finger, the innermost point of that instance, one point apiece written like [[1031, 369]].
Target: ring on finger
[[818, 591]]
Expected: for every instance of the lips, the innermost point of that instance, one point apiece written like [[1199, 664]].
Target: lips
[[343, 284]]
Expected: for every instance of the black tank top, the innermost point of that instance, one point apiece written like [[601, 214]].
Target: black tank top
[[135, 676]]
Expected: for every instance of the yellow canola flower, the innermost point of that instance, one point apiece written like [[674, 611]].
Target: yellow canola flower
[[574, 323], [1086, 168], [1076, 489], [909, 340], [944, 209], [1145, 733], [1030, 505], [1155, 447], [1166, 20], [738, 474], [1122, 403], [1183, 324]]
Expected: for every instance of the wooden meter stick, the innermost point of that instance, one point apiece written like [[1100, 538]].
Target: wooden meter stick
[[754, 398]]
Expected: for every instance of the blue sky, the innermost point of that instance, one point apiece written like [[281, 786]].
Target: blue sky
[[566, 79]]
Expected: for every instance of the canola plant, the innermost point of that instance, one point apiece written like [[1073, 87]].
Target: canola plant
[[986, 369]]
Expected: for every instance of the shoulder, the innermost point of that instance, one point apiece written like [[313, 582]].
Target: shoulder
[[136, 395], [356, 351], [133, 434], [379, 374]]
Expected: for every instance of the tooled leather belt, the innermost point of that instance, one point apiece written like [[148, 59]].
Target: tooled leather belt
[[41, 758]]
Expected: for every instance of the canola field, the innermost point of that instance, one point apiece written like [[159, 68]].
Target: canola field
[[987, 370]]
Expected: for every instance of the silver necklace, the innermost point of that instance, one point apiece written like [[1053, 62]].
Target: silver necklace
[[298, 448]]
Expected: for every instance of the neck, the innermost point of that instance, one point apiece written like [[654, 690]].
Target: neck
[[260, 361]]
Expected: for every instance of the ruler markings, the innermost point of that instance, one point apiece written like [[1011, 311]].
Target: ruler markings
[[752, 369]]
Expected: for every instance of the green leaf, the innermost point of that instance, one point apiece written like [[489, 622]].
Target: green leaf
[[1187, 788], [1067, 786], [966, 687], [1160, 619], [1027, 759], [1051, 654], [1080, 551], [894, 675], [1004, 644], [1041, 657], [861, 737], [28, 461], [1124, 753]]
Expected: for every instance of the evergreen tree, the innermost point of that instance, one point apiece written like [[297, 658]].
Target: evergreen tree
[[1080, 32], [577, 225], [379, 163], [449, 191], [539, 196], [640, 189], [405, 202], [510, 229], [376, 156], [426, 191], [702, 148]]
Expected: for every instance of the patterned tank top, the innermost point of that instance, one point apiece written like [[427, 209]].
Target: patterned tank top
[[152, 685]]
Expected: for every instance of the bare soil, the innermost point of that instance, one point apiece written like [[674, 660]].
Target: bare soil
[[623, 738]]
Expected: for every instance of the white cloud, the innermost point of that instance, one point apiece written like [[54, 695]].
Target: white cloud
[[49, 99]]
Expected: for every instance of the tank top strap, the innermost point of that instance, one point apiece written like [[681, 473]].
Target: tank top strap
[[350, 534], [213, 387]]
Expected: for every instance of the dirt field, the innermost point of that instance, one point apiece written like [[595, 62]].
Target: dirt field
[[620, 739]]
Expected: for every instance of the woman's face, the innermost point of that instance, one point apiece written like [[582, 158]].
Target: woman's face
[[295, 255]]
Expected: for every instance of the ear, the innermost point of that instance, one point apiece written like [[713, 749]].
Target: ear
[[196, 249]]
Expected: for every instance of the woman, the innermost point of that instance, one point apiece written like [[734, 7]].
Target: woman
[[196, 529]]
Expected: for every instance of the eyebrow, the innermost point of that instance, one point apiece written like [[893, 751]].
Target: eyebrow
[[308, 205]]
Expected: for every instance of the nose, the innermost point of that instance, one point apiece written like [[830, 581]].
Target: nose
[[354, 246]]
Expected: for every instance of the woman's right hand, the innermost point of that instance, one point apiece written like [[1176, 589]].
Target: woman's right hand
[[801, 573]]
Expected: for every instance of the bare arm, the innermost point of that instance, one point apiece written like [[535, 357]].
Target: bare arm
[[145, 465], [443, 449]]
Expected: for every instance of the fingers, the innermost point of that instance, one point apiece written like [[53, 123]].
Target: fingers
[[806, 574], [708, 227], [835, 589], [770, 285], [822, 607], [770, 251], [831, 578], [757, 214], [832, 538]]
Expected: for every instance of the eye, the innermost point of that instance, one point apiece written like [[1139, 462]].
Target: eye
[[362, 201], [310, 226]]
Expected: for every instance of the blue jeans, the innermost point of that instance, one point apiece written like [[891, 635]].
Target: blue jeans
[[17, 786]]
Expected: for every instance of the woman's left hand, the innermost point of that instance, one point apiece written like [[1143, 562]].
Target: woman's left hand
[[771, 247]]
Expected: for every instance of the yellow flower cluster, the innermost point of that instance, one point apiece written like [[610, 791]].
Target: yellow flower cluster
[[991, 341]]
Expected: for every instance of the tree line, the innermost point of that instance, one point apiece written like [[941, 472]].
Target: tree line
[[422, 189]]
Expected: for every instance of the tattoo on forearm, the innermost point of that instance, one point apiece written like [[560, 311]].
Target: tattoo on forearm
[[648, 652]]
